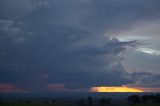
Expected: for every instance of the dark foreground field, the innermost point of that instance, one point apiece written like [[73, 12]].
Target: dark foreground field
[[68, 104], [81, 99], [33, 104]]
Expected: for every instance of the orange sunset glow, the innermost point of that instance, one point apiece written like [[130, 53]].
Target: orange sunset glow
[[115, 89]]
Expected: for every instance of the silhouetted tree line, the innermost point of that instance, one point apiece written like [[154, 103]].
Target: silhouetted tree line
[[134, 99], [104, 101], [29, 101], [89, 102]]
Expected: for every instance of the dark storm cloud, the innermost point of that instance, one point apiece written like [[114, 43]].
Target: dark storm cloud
[[119, 15], [65, 40], [146, 79]]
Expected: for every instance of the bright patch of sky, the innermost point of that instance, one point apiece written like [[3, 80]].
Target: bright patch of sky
[[149, 51], [133, 37]]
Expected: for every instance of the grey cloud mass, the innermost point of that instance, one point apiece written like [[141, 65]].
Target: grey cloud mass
[[68, 41]]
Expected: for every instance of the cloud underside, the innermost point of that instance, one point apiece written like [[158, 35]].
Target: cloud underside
[[66, 43]]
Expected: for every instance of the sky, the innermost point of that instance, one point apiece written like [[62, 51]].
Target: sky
[[74, 45]]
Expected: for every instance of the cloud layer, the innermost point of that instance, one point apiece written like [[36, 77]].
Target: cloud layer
[[68, 42]]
